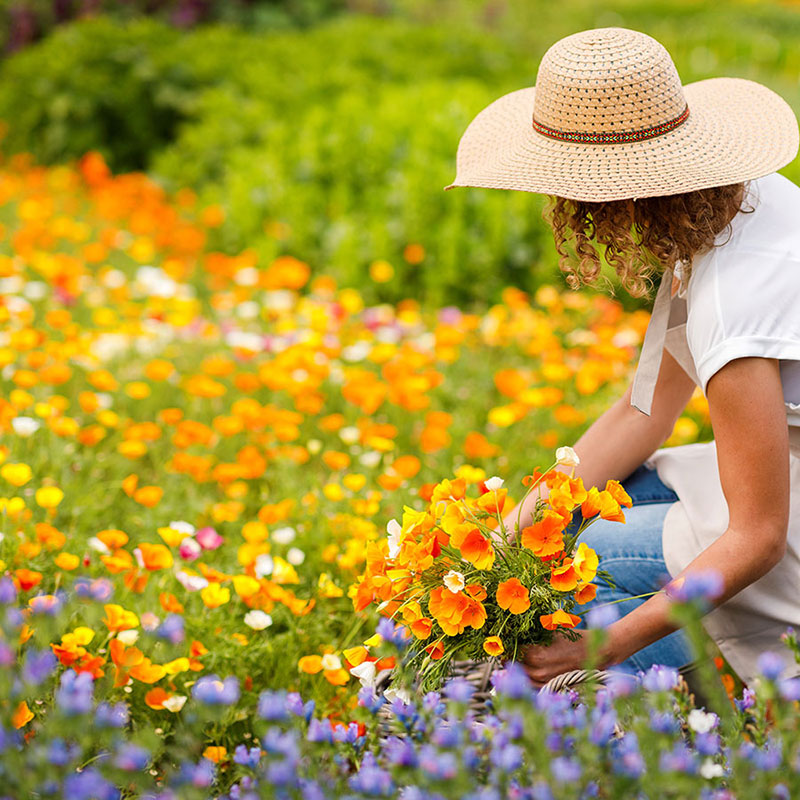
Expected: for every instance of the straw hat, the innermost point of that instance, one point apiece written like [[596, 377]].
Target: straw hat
[[609, 119]]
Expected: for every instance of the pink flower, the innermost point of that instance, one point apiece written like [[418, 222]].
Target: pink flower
[[189, 549], [208, 538]]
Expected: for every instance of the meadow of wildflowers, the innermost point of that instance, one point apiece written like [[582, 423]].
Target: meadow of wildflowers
[[199, 452]]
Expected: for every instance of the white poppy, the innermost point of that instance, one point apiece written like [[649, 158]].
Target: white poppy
[[175, 703], [257, 620], [454, 581], [392, 694], [25, 426], [702, 721], [494, 483], [394, 531], [283, 535], [567, 457], [365, 672], [331, 661], [264, 565]]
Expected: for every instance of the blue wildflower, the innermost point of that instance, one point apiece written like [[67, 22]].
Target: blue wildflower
[[663, 721], [512, 682], [603, 724], [601, 616], [273, 706], [371, 780], [320, 730], [748, 699], [400, 752], [770, 665], [210, 689], [506, 759], [295, 705], [565, 770], [89, 785], [698, 586], [679, 759], [111, 716], [199, 775], [131, 757], [660, 678], [440, 766], [172, 629], [8, 592], [100, 589], [75, 693], [38, 666], [367, 698], [459, 690], [247, 757]]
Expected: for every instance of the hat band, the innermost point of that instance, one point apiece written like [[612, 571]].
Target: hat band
[[612, 137]]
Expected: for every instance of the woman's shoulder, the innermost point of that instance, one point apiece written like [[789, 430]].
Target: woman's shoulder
[[768, 222], [743, 295]]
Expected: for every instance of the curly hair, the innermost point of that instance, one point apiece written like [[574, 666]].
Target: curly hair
[[639, 238]]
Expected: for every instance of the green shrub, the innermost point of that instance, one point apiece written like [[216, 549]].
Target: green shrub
[[357, 178]]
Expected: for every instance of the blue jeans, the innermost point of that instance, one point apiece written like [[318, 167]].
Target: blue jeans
[[631, 552]]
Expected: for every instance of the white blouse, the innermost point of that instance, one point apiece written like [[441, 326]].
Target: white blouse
[[742, 299]]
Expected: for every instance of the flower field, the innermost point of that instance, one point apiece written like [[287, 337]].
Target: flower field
[[197, 452]]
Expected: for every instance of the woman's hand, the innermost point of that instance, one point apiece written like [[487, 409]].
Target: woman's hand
[[545, 662]]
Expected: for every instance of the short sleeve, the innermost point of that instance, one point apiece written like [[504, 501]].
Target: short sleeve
[[744, 302]]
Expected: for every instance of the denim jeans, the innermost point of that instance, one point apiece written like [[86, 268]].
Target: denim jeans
[[632, 554]]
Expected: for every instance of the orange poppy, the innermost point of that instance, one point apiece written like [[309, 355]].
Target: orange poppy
[[614, 488], [564, 578], [545, 537], [475, 548], [493, 646], [513, 596], [559, 617], [586, 593]]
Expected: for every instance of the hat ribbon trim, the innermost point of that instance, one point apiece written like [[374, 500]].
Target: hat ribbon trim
[[612, 137]]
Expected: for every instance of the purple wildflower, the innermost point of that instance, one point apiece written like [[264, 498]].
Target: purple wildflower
[[565, 770], [661, 679], [247, 758], [601, 616], [131, 757], [89, 785], [171, 629], [400, 752], [770, 665], [439, 766], [459, 690], [8, 592], [210, 689], [273, 706], [512, 682], [74, 695], [320, 730], [38, 666], [700, 586], [108, 716]]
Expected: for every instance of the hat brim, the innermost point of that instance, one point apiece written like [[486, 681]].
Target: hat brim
[[737, 130]]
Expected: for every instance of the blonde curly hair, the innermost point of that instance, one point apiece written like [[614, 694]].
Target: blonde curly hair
[[639, 238]]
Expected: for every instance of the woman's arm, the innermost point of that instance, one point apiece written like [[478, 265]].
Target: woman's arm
[[748, 416], [623, 438]]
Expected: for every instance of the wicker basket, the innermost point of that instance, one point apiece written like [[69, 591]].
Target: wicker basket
[[478, 674]]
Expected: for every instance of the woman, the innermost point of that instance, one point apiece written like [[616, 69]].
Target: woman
[[657, 177]]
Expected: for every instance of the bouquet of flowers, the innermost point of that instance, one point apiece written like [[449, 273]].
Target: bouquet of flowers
[[467, 588]]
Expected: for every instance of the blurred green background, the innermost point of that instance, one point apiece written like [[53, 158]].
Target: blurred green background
[[327, 129]]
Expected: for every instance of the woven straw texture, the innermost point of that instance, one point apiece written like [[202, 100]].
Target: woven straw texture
[[614, 83]]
